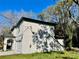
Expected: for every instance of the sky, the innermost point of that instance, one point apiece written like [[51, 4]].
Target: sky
[[36, 6], [28, 5]]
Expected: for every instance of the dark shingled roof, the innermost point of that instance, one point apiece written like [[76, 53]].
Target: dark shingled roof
[[32, 20]]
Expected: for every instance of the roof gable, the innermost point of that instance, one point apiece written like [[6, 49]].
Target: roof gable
[[32, 20]]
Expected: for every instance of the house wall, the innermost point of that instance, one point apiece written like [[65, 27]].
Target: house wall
[[5, 44], [27, 43], [17, 41], [34, 37]]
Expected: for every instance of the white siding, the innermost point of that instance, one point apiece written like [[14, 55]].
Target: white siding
[[24, 38]]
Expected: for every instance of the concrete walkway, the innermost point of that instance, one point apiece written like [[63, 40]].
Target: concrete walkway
[[7, 53]]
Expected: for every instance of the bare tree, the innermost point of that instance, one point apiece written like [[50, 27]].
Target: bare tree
[[76, 1], [14, 17]]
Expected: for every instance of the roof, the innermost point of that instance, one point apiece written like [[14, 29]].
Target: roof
[[8, 35], [32, 20]]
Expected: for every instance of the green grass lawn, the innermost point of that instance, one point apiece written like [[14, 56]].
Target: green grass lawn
[[52, 55]]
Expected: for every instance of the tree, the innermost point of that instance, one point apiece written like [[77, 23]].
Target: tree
[[65, 16], [12, 17], [76, 1]]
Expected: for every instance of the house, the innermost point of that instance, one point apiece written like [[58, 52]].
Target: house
[[8, 41], [30, 36]]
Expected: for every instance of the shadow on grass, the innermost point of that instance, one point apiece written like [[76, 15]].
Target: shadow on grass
[[68, 58]]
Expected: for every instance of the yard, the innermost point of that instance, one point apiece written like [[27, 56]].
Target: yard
[[52, 55]]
